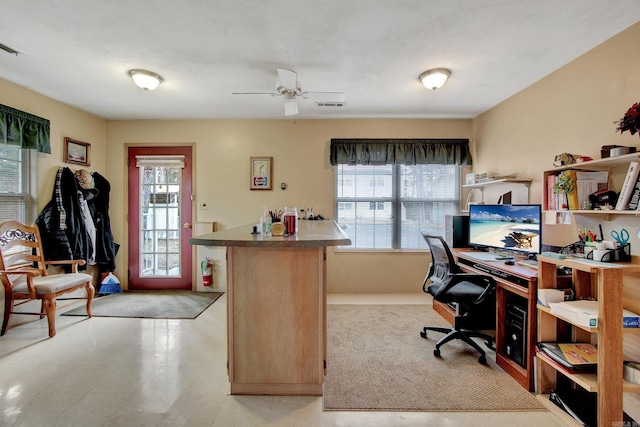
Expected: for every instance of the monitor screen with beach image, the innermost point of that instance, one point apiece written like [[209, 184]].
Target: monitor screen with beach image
[[513, 227]]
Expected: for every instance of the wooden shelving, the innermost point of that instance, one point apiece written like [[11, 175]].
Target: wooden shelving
[[606, 283]]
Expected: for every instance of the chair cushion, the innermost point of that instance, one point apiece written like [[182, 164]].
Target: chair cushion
[[53, 283], [465, 292]]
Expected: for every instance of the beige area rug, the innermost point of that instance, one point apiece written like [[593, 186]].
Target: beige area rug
[[378, 361], [150, 305]]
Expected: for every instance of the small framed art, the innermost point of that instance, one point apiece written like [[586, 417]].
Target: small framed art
[[77, 152], [261, 173]]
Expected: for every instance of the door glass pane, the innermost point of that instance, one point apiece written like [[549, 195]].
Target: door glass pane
[[160, 221]]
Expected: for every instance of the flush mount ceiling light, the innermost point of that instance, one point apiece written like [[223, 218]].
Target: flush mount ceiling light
[[145, 80], [434, 79]]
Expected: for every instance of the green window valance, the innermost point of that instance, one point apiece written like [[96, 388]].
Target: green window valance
[[24, 129], [400, 151]]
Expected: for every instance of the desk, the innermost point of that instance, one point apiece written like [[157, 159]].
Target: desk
[[514, 284], [276, 307]]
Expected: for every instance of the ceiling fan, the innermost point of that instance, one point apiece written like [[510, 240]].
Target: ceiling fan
[[290, 87]]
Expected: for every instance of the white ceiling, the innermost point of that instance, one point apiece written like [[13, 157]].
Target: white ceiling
[[79, 52]]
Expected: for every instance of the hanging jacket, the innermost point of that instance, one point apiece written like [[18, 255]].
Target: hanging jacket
[[62, 228], [106, 249]]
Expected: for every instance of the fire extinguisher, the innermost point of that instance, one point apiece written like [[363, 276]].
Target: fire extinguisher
[[207, 271]]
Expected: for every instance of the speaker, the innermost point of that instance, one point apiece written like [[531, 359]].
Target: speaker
[[516, 334], [456, 231]]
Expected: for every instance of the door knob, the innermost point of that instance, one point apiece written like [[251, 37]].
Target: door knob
[[187, 225]]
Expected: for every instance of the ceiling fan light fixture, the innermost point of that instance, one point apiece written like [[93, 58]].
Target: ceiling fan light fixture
[[145, 80], [435, 78]]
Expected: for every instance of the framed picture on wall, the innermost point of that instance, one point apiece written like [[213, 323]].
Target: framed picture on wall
[[77, 152], [261, 173]]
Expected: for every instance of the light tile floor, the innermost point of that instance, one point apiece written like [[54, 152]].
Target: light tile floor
[[143, 372]]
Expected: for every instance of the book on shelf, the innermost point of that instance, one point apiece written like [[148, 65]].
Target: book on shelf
[[585, 313], [578, 355], [551, 196], [628, 186], [634, 201]]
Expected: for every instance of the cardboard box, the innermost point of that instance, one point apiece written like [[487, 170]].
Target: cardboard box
[[546, 296]]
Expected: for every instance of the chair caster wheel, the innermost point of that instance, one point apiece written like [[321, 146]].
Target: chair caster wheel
[[423, 334], [436, 352], [482, 360], [489, 344]]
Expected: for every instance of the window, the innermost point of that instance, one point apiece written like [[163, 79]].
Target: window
[[18, 199], [406, 201]]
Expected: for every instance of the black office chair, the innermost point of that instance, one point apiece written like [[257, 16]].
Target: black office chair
[[471, 295]]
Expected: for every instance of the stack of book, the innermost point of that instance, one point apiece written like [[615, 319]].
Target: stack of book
[[582, 184], [629, 198]]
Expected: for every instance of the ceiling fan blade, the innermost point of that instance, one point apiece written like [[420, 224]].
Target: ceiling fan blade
[[288, 78], [290, 107], [257, 93], [324, 96]]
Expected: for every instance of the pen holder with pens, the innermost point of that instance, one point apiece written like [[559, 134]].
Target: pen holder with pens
[[619, 254]]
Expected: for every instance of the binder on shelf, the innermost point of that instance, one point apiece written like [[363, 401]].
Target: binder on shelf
[[572, 196], [576, 356], [628, 186]]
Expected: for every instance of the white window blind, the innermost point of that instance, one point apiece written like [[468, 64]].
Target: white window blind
[[18, 198], [160, 161]]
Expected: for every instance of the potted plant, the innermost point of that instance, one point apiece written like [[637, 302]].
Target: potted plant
[[630, 121]]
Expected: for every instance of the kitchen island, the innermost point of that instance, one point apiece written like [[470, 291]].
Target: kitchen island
[[276, 307]]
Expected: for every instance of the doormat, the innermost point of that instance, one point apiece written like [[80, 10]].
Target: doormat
[[150, 305]]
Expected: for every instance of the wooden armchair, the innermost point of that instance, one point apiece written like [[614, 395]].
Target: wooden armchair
[[23, 272]]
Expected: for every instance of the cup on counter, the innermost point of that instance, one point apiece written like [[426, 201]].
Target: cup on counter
[[598, 254]]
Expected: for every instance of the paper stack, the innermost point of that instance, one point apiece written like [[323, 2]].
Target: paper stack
[[585, 313]]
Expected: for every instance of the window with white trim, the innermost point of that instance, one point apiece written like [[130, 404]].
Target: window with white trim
[[18, 194], [406, 201]]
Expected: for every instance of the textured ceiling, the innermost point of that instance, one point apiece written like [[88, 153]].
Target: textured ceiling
[[79, 52]]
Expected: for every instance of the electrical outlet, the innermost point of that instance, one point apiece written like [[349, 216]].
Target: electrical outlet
[[202, 206]]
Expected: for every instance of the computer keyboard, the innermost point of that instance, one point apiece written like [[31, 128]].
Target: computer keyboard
[[531, 263]]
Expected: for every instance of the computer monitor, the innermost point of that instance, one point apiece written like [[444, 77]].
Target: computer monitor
[[513, 227]]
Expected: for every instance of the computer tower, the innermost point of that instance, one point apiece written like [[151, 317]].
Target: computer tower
[[516, 334], [456, 231]]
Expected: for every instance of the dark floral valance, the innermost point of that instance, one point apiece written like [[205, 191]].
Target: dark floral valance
[[24, 129], [400, 151]]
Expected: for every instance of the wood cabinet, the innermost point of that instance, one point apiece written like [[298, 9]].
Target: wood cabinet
[[614, 286]]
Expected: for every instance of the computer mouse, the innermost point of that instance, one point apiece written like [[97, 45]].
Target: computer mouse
[[509, 262]]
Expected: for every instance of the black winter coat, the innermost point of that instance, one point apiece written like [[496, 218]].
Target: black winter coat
[[62, 228]]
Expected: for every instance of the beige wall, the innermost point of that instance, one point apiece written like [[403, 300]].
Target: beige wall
[[571, 110], [65, 121], [300, 150]]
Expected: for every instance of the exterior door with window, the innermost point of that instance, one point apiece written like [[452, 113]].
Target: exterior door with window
[[160, 256]]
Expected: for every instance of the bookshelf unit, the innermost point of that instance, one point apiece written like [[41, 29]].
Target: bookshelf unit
[[614, 286], [617, 165]]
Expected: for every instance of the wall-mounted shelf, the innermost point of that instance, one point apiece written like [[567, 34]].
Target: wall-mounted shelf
[[526, 182], [604, 163]]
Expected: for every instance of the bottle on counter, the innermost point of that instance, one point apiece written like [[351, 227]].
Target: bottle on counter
[[290, 220], [265, 223]]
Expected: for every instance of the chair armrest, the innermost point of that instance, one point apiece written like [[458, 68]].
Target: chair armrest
[[30, 275], [490, 283], [73, 262]]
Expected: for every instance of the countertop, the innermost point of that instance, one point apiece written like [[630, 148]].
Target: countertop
[[310, 234]]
